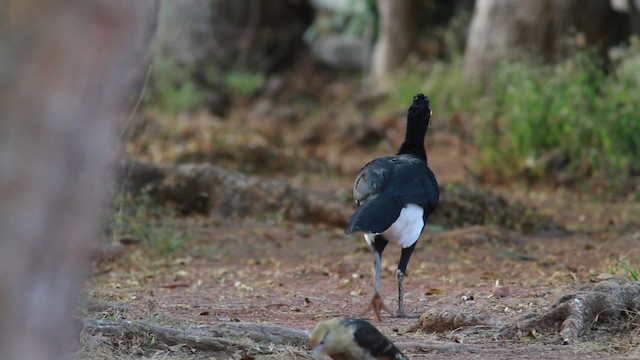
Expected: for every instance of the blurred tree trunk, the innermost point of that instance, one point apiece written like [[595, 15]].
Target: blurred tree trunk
[[64, 80], [210, 38], [397, 33], [244, 35], [632, 8], [4, 18], [536, 28]]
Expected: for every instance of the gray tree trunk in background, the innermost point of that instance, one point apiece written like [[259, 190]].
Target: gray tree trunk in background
[[245, 35], [65, 76], [537, 28], [397, 33]]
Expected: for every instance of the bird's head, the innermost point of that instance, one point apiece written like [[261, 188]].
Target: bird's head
[[419, 111], [319, 337], [418, 119], [330, 337]]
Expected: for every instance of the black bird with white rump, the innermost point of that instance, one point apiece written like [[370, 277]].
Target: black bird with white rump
[[352, 339], [395, 196]]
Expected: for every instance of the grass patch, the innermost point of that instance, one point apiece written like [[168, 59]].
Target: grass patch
[[144, 220], [632, 271], [586, 119], [177, 87], [575, 117], [174, 88], [243, 84]]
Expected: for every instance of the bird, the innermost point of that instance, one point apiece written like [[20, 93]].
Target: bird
[[352, 339], [395, 197]]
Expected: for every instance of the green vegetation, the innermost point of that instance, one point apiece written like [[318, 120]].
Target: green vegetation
[[573, 117], [357, 18], [243, 84], [586, 117], [632, 271], [174, 88], [142, 219]]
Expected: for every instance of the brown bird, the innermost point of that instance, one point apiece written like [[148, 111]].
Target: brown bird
[[352, 339]]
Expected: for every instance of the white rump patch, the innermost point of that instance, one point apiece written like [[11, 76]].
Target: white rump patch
[[370, 238], [407, 229]]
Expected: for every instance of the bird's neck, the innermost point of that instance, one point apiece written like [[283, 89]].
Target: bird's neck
[[414, 141]]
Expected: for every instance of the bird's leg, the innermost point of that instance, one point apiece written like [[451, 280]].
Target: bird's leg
[[377, 246], [400, 312], [400, 273]]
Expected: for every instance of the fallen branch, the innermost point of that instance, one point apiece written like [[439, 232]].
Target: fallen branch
[[206, 188], [222, 337], [209, 189], [216, 337], [197, 339], [263, 333], [574, 314], [434, 347]]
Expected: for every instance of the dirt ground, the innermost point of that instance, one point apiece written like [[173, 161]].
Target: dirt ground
[[266, 269]]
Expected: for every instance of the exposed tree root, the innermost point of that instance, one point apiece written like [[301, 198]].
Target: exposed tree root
[[225, 337], [232, 337], [435, 347], [263, 333], [206, 188], [197, 339], [574, 314]]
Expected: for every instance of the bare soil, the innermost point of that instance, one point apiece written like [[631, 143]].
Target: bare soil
[[268, 270]]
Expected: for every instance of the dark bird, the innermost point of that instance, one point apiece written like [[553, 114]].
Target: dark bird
[[352, 339], [395, 196]]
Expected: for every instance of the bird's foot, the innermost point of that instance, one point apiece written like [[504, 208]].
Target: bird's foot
[[377, 305]]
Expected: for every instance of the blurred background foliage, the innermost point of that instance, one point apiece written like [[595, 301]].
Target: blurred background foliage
[[561, 108]]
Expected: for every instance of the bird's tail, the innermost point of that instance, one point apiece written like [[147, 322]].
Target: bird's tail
[[375, 215]]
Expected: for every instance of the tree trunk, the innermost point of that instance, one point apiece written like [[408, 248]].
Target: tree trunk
[[241, 35], [536, 28], [397, 32], [64, 81]]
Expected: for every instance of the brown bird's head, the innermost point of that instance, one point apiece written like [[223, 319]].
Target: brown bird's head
[[331, 337], [352, 339]]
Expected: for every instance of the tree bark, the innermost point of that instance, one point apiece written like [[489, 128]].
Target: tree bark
[[241, 35], [397, 33], [538, 29], [63, 82]]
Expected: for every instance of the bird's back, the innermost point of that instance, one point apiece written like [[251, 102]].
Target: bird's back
[[369, 338], [386, 185]]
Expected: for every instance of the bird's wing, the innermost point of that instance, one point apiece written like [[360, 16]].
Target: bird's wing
[[374, 215], [414, 183], [372, 179], [404, 177], [385, 185], [369, 338]]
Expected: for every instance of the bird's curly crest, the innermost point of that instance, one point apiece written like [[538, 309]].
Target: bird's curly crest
[[420, 106]]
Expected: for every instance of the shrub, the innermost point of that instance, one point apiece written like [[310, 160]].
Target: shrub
[[536, 120], [574, 110]]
